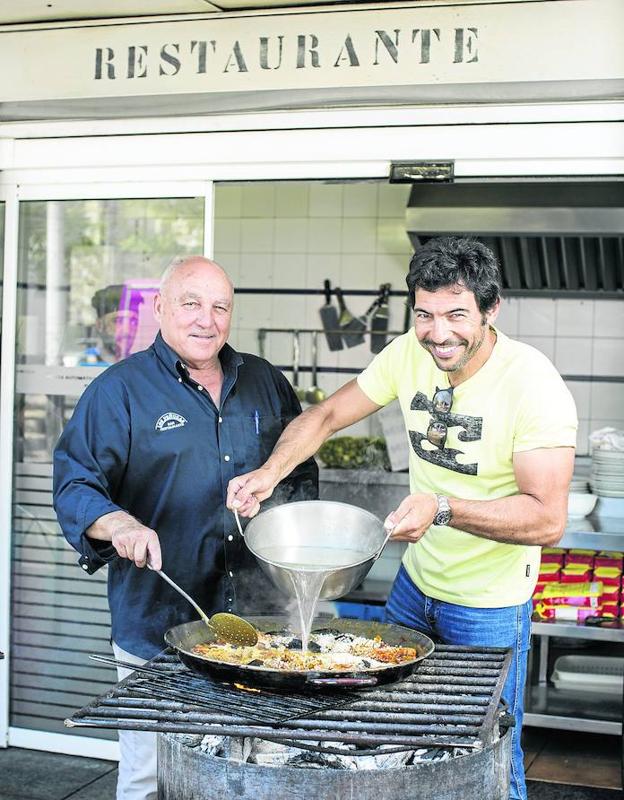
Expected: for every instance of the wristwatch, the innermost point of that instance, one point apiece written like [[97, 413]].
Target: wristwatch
[[444, 513]]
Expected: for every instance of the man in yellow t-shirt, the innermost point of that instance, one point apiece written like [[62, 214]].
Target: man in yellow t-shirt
[[491, 428]]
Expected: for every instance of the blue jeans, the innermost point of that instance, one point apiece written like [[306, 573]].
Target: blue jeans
[[483, 627]]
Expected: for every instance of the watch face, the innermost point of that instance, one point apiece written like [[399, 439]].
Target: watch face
[[444, 514]]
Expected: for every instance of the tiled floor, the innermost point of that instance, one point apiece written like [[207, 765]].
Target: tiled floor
[[573, 758], [560, 766], [35, 775]]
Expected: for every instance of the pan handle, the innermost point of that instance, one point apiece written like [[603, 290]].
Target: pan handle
[[372, 681], [389, 533]]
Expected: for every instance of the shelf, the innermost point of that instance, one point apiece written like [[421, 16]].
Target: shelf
[[581, 724], [594, 712], [573, 631], [607, 534]]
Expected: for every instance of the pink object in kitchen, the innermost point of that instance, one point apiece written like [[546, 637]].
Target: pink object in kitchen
[[553, 555], [576, 573], [609, 576], [607, 558], [580, 557]]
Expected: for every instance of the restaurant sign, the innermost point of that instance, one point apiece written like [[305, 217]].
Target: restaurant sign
[[426, 45]]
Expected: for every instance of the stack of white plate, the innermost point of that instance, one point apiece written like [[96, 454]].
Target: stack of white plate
[[607, 473], [579, 484]]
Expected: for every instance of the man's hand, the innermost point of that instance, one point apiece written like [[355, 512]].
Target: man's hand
[[246, 492], [129, 537], [412, 518]]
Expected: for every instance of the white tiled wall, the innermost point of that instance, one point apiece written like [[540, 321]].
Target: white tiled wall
[[296, 234], [581, 337]]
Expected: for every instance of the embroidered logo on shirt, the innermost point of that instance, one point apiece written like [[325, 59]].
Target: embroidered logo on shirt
[[170, 420]]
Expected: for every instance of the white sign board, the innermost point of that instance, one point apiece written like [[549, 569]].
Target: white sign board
[[411, 44]]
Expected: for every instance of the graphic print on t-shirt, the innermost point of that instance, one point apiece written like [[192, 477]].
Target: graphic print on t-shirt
[[440, 422]]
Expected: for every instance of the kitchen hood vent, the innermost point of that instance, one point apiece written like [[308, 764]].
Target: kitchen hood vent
[[549, 238]]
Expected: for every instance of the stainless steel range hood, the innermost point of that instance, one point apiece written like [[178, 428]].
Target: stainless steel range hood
[[549, 237]]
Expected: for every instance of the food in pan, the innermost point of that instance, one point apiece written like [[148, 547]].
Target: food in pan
[[328, 651]]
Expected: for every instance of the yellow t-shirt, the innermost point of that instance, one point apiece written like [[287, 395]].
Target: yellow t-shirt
[[517, 401]]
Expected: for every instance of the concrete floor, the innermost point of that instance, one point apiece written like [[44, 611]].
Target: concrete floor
[[560, 766]]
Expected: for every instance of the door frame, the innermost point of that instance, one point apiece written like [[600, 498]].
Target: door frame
[[7, 377], [189, 162]]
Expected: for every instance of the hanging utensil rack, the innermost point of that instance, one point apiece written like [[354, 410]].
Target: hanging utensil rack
[[263, 332]]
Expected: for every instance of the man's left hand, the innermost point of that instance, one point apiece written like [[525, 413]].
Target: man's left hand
[[410, 521]]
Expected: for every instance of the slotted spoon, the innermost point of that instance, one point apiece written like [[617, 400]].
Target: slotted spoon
[[229, 627]]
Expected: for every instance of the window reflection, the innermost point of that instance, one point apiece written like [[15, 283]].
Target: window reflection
[[1, 256], [87, 273], [69, 251]]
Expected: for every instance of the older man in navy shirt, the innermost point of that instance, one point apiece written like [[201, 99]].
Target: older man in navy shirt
[[142, 468]]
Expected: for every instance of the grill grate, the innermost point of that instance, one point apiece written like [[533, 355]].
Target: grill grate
[[165, 684], [450, 701]]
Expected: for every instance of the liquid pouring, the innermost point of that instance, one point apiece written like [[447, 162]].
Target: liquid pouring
[[313, 549], [308, 568]]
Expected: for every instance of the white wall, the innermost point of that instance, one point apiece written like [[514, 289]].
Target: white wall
[[581, 337], [295, 234]]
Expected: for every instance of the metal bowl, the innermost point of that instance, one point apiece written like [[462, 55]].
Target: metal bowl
[[293, 534]]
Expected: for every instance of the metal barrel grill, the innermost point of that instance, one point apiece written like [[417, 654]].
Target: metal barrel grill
[[450, 703]]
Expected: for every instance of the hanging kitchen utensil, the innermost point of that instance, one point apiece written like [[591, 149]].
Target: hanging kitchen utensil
[[299, 390], [315, 394], [229, 627], [352, 327], [329, 320], [380, 320]]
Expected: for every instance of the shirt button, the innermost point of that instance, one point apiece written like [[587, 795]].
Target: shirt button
[[220, 419], [86, 566], [226, 458], [229, 599], [231, 574], [230, 538], [179, 380], [199, 388]]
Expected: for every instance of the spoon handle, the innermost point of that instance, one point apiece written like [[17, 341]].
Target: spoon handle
[[238, 525], [384, 543], [183, 593]]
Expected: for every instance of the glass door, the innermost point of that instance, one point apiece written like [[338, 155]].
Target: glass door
[[87, 272], [1, 254], [4, 622]]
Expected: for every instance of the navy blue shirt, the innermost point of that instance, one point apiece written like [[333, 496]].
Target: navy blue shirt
[[147, 439]]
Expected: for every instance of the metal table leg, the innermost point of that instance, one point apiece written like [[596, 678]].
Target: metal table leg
[[542, 677]]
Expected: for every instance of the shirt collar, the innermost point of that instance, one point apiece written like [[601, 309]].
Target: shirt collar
[[230, 359]]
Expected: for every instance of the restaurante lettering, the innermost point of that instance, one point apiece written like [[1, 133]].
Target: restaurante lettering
[[302, 52]]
